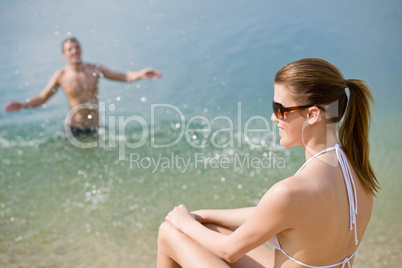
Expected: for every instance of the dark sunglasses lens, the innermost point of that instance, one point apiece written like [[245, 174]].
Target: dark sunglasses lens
[[276, 107]]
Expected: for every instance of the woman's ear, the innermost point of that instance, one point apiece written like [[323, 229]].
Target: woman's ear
[[314, 115]]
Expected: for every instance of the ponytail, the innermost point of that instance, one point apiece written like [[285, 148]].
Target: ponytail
[[354, 133]]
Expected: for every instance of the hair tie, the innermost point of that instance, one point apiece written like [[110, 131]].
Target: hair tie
[[345, 81]]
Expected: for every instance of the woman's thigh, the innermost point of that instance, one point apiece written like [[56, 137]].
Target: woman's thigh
[[187, 253], [259, 257]]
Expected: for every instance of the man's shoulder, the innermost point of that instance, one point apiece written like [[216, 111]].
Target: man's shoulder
[[59, 73], [92, 65], [93, 68]]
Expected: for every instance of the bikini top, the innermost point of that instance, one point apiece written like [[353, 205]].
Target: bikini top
[[352, 197]]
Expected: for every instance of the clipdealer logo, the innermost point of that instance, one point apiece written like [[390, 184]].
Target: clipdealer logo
[[220, 132], [236, 133]]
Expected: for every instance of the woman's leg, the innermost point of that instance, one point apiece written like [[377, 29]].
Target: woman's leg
[[176, 248]]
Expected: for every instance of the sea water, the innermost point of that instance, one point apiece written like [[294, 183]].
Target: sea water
[[201, 135]]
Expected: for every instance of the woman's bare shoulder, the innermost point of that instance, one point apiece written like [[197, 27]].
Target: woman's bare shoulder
[[286, 200]]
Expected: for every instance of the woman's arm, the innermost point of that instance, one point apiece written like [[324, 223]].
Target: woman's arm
[[272, 215], [231, 218]]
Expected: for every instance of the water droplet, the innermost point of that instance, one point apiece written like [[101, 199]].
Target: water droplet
[[112, 107]]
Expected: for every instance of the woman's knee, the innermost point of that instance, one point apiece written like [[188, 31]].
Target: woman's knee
[[164, 230], [166, 233]]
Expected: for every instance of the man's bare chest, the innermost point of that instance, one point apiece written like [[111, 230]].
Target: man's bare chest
[[77, 83]]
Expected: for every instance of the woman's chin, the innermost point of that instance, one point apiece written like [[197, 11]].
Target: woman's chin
[[284, 143]]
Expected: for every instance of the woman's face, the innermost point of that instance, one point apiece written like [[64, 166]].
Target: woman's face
[[291, 127]]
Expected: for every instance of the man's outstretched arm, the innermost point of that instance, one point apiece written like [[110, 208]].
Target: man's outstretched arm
[[38, 100], [130, 76]]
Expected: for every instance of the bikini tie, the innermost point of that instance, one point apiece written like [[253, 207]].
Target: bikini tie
[[346, 261]]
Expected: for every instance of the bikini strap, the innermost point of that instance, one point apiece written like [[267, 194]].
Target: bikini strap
[[350, 188], [316, 155], [344, 262]]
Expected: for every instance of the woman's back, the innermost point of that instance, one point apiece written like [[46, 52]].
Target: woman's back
[[321, 233]]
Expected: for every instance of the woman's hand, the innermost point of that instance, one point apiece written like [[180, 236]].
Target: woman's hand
[[179, 217]]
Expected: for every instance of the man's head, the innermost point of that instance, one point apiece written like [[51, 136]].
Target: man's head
[[71, 50]]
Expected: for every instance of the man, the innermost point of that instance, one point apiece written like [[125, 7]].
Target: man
[[79, 81]]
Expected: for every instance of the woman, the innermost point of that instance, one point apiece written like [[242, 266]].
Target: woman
[[311, 218]]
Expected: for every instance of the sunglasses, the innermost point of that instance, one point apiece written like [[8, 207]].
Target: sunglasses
[[279, 110]]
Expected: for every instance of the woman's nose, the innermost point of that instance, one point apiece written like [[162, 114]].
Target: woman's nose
[[274, 118]]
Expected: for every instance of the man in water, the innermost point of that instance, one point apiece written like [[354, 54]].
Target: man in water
[[79, 81]]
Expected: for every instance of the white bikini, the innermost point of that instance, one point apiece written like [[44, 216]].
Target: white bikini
[[352, 197]]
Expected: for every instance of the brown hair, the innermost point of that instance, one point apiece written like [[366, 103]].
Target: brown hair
[[318, 82], [69, 39]]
